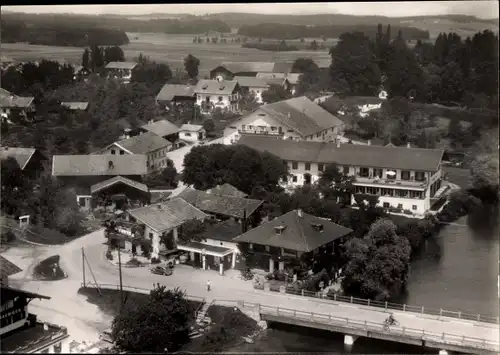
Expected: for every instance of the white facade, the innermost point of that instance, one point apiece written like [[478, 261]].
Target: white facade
[[257, 92], [227, 102], [224, 244], [192, 136], [157, 159], [365, 109]]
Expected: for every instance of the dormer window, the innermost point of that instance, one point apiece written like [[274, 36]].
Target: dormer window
[[317, 226], [279, 229]]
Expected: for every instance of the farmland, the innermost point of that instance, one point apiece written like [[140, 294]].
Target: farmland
[[170, 49]]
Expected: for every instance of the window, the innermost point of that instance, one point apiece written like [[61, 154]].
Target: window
[[221, 243], [273, 128], [346, 170], [320, 167], [57, 348], [295, 165], [405, 175], [308, 166], [250, 126], [150, 235], [81, 201], [386, 205], [363, 172], [122, 152], [187, 134], [113, 151], [242, 127], [414, 207], [220, 98], [400, 205], [377, 173], [280, 130], [419, 176], [294, 178], [318, 134]]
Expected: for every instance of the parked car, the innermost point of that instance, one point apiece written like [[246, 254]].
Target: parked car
[[162, 270]]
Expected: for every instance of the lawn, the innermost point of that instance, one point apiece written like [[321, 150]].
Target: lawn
[[170, 49], [49, 270]]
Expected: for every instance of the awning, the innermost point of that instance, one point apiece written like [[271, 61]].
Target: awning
[[206, 249]]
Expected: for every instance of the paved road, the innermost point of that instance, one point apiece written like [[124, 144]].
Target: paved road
[[65, 301]]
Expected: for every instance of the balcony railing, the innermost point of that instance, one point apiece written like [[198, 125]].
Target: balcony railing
[[390, 182], [260, 131]]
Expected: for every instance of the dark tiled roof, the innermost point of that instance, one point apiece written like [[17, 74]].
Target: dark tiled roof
[[302, 115], [115, 180], [159, 196], [7, 268], [227, 190], [223, 205], [348, 154], [167, 215], [144, 143], [22, 155], [93, 165], [225, 231], [32, 339], [169, 91], [161, 128], [8, 293], [299, 233], [191, 127], [214, 87]]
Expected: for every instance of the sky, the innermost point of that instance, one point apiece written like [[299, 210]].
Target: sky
[[478, 8]]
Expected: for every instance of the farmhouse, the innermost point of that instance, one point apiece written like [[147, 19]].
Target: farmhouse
[[192, 133], [148, 144], [121, 70], [165, 129], [251, 85], [228, 70], [12, 105], [171, 94], [30, 160], [223, 94], [296, 119], [404, 178]]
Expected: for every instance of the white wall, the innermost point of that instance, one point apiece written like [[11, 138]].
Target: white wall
[[408, 203], [192, 136], [224, 103], [257, 91], [17, 324], [224, 244], [157, 160]]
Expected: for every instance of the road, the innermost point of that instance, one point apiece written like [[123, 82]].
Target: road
[[84, 320]]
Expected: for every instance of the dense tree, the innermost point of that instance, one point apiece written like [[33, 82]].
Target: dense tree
[[152, 74], [191, 65], [238, 165], [310, 78], [275, 93], [209, 125], [484, 168], [86, 59], [335, 184], [113, 54], [192, 231], [158, 325], [354, 69], [15, 188]]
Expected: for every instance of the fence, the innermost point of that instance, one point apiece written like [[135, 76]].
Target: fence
[[398, 307]]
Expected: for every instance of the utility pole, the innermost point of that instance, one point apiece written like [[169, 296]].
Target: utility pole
[[120, 272], [83, 268]]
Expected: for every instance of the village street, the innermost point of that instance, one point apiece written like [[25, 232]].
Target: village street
[[84, 321]]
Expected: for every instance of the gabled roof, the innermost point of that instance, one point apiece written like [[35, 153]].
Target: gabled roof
[[121, 65], [241, 67], [226, 190], [8, 268], [298, 233], [169, 91], [161, 128], [75, 105], [191, 127], [15, 101], [250, 82], [282, 67], [22, 155], [98, 165], [302, 115], [206, 86], [143, 143], [167, 215], [404, 158], [223, 205], [8, 292], [5, 93], [115, 180]]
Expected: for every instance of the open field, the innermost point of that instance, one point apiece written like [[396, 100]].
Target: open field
[[163, 48]]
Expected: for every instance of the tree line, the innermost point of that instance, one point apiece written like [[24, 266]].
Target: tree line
[[289, 31]]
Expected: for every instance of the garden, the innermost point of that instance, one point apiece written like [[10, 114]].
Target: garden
[[49, 270]]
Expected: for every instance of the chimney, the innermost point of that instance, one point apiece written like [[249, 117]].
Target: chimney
[[369, 142], [299, 212], [110, 165], [408, 145]]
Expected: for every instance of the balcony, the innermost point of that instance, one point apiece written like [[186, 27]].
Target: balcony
[[384, 182], [260, 132]]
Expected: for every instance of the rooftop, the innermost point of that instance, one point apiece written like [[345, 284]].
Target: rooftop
[[167, 215], [121, 65], [302, 232], [94, 165], [223, 205], [15, 101], [8, 293], [404, 158], [224, 231], [75, 105], [31, 339], [161, 128], [169, 91], [226, 190], [116, 180], [143, 143], [22, 155], [191, 127], [250, 82], [7, 268], [225, 87]]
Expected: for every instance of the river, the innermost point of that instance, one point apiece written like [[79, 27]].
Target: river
[[458, 271]]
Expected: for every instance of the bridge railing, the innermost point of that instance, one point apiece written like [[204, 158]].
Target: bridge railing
[[444, 338], [398, 307]]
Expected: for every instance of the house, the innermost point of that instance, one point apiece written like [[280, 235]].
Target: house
[[130, 129], [161, 223], [11, 105], [172, 94], [192, 133], [7, 269], [75, 106], [252, 85], [228, 70], [81, 73], [404, 178], [165, 129], [20, 330], [226, 190], [222, 207], [212, 94], [94, 177], [148, 144], [290, 236], [296, 119], [121, 70], [30, 160]]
